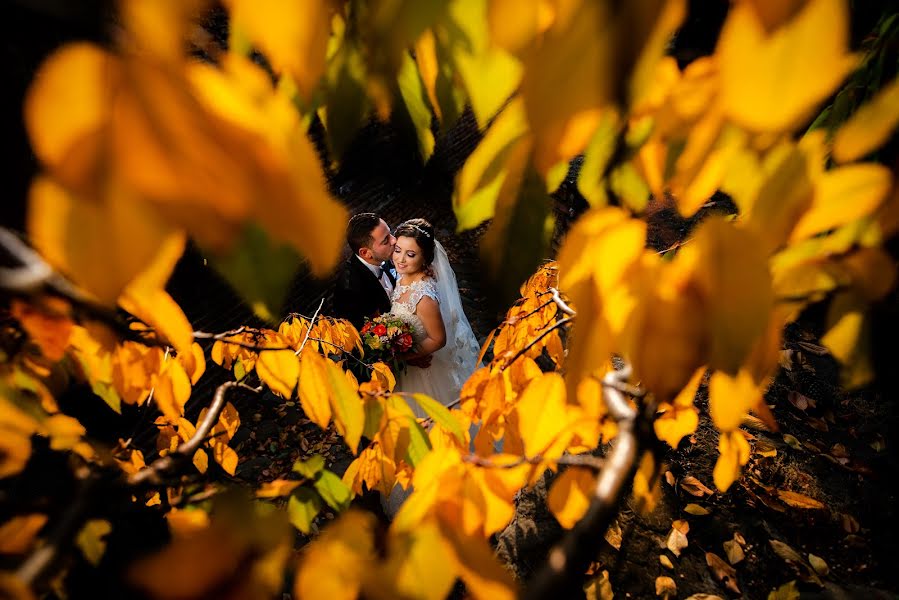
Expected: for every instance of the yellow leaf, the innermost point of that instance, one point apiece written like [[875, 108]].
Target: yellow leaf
[[413, 93], [201, 460], [512, 24], [770, 82], [732, 272], [563, 96], [413, 557], [279, 370], [225, 456], [843, 195], [848, 339], [160, 311], [797, 500], [64, 431], [488, 73], [731, 397], [482, 573], [17, 534], [47, 323], [276, 488], [186, 522], [171, 389], [313, 389], [570, 495], [346, 406], [590, 181], [734, 453], [335, 565], [75, 234], [680, 418], [383, 373], [543, 415], [293, 35], [90, 540], [869, 127], [54, 133], [485, 171]]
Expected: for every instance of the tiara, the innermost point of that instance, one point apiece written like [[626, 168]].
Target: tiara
[[420, 230]]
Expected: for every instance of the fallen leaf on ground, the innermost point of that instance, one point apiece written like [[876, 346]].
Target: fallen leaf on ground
[[613, 535], [695, 509], [850, 524], [787, 591], [693, 486], [792, 442], [763, 448], [734, 552], [665, 587], [800, 401], [669, 477], [797, 500], [666, 562], [722, 571], [677, 537], [791, 557], [599, 588], [819, 565]]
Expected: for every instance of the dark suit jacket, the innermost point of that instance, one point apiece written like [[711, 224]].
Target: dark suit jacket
[[359, 294]]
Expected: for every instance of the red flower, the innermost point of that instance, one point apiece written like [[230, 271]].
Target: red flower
[[380, 329], [405, 342], [365, 328]]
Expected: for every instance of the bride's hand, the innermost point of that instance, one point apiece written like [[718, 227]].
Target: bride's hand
[[422, 361]]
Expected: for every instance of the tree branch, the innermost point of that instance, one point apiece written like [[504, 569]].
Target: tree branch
[[561, 576], [152, 474], [561, 303]]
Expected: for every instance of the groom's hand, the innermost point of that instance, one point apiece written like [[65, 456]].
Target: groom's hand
[[422, 362]]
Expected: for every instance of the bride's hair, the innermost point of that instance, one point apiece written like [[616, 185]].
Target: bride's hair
[[423, 233]]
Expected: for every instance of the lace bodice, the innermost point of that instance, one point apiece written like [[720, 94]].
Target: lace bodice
[[405, 299]]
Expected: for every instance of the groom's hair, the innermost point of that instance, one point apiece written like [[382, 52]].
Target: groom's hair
[[358, 231]]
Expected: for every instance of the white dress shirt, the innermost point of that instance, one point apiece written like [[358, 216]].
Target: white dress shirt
[[383, 279]]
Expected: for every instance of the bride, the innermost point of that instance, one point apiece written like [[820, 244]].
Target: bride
[[427, 297]]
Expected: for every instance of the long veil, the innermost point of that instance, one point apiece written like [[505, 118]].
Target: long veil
[[460, 354]]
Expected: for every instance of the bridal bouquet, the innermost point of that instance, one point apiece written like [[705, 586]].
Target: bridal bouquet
[[384, 338]]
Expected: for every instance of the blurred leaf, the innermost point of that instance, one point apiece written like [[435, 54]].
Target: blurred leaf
[[276, 488], [590, 181], [346, 98], [90, 540], [523, 212], [310, 467], [494, 166], [869, 127], [489, 74], [440, 415], [333, 491], [787, 591], [770, 82], [17, 534], [303, 507], [570, 495], [416, 107]]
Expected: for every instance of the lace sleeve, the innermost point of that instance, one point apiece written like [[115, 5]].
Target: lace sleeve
[[420, 289]]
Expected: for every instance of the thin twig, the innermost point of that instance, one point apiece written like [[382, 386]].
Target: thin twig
[[202, 335], [153, 472], [576, 460], [557, 298], [534, 342], [309, 327]]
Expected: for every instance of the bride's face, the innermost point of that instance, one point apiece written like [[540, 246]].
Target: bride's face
[[407, 256]]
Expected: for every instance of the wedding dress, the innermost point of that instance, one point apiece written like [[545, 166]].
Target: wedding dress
[[456, 361]]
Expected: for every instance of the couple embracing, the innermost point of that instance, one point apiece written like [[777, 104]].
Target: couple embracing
[[406, 272]]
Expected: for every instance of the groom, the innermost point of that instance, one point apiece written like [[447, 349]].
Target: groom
[[366, 282]]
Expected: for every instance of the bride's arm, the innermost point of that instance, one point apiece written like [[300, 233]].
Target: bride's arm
[[435, 333]]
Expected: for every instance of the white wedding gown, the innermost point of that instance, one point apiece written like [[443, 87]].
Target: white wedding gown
[[451, 365]]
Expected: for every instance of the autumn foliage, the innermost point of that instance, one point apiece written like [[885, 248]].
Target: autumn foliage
[[144, 146]]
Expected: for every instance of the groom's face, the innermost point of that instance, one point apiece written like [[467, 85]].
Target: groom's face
[[381, 245]]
